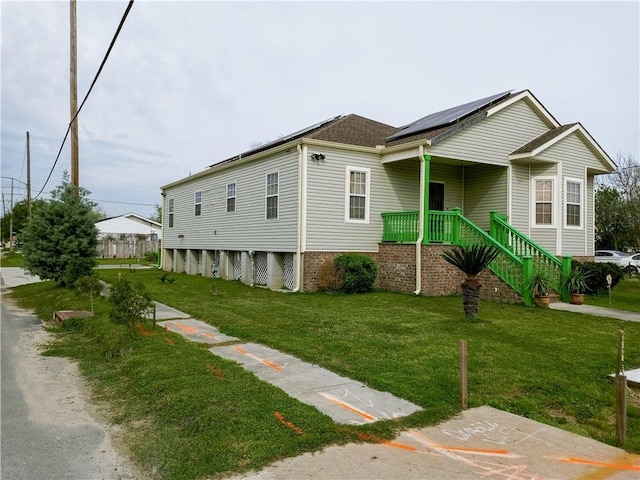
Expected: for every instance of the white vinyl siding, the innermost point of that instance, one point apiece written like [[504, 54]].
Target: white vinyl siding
[[394, 187], [247, 228], [577, 159], [451, 176], [492, 140], [357, 182], [485, 189]]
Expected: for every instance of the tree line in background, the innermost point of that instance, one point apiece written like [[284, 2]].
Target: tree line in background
[[617, 208]]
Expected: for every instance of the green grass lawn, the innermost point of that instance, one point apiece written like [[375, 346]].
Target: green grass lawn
[[11, 259], [184, 421], [624, 296]]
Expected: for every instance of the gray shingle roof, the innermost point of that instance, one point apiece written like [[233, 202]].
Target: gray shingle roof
[[542, 139]]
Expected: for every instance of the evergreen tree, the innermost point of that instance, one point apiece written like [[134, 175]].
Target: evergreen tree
[[59, 242]]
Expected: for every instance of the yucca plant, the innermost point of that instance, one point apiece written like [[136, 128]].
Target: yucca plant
[[471, 261]]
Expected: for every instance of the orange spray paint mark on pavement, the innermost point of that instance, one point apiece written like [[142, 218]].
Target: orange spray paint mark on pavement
[[348, 406], [209, 335], [287, 423], [615, 466], [270, 364], [472, 450], [186, 328], [239, 350]]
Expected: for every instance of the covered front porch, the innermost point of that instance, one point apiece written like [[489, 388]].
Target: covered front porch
[[433, 225]]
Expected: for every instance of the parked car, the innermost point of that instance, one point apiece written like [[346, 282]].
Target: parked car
[[612, 256], [634, 263]]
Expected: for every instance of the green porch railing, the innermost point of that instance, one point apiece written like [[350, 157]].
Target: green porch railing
[[453, 228], [542, 260], [507, 266], [400, 227]]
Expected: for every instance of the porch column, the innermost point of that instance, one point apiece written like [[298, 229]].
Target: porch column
[[566, 271], [426, 239]]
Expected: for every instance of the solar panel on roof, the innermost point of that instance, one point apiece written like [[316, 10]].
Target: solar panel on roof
[[446, 117]]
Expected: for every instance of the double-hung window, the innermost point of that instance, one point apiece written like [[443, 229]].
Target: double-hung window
[[170, 212], [544, 202], [272, 196], [197, 202], [231, 197], [357, 195], [573, 203]]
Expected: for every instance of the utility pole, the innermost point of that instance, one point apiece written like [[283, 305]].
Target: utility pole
[[11, 220], [75, 177], [28, 177]]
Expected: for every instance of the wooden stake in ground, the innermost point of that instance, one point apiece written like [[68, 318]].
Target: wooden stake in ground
[[464, 394], [621, 408]]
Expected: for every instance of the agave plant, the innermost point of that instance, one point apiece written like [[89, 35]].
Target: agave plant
[[471, 261]]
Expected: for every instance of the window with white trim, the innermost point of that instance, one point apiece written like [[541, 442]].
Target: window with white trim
[[272, 196], [544, 202], [170, 212], [573, 203], [197, 203], [231, 197], [357, 195]]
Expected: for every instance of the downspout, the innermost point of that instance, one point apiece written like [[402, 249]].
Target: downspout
[[162, 212], [420, 223], [302, 172]]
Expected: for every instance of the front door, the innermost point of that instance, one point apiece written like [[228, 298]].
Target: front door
[[436, 196]]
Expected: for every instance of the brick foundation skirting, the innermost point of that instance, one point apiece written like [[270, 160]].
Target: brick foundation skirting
[[397, 272]]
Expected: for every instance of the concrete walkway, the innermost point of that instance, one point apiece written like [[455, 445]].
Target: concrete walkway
[[597, 311], [344, 400]]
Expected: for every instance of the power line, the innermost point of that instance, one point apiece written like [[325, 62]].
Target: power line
[[123, 203], [95, 79]]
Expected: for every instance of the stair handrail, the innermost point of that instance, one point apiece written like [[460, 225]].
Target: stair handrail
[[499, 222], [518, 284]]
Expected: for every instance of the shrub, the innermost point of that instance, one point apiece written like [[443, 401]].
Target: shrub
[[329, 279], [358, 271], [597, 275], [130, 302], [151, 256]]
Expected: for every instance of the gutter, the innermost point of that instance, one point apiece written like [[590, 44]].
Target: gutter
[[302, 173], [420, 223]]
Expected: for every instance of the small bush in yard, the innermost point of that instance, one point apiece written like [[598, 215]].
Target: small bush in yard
[[151, 256], [329, 279], [358, 271], [130, 302], [89, 285], [597, 272]]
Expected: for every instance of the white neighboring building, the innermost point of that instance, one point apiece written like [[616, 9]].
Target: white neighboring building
[[127, 236]]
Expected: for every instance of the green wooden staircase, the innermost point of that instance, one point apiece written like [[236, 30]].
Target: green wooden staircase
[[519, 255]]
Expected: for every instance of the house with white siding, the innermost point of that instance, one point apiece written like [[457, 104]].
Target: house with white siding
[[500, 170], [127, 236]]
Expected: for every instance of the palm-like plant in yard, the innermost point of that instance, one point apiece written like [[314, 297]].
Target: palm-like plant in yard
[[471, 261]]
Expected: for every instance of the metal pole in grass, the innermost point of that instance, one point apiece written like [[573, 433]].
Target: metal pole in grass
[[464, 394]]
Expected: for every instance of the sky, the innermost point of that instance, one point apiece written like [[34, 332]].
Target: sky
[[189, 84]]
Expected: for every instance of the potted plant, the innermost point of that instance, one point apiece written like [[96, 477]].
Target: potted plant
[[539, 285], [576, 284]]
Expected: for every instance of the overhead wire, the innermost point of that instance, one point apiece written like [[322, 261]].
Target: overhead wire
[[95, 79]]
